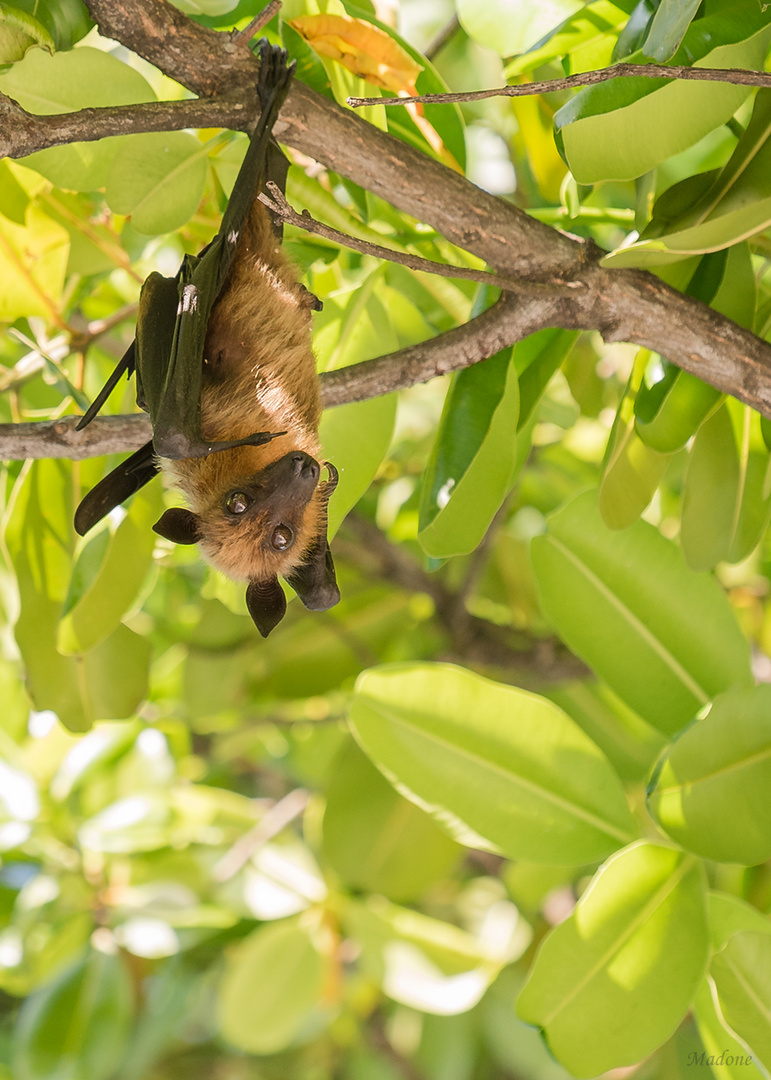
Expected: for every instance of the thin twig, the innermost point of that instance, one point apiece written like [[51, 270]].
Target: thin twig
[[736, 76], [445, 35], [271, 824], [278, 205], [259, 20]]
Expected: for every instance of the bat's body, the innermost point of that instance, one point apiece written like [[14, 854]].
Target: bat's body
[[224, 366]]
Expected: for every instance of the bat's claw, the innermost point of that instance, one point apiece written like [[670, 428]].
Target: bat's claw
[[275, 72]]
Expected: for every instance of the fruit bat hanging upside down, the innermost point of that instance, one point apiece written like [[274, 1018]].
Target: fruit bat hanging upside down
[[224, 366]]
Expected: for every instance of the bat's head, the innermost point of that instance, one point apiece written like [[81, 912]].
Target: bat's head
[[273, 522]]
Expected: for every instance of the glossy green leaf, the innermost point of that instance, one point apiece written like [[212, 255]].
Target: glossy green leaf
[[157, 179], [742, 975], [630, 744], [447, 121], [66, 82], [634, 950], [67, 21], [513, 26], [96, 613], [622, 129], [78, 1026], [632, 469], [355, 438], [580, 34], [473, 460], [669, 412], [536, 359], [107, 682], [728, 915], [499, 767], [271, 988], [33, 260], [668, 27], [20, 32], [375, 839], [727, 1057], [665, 639], [726, 502], [712, 790], [711, 212]]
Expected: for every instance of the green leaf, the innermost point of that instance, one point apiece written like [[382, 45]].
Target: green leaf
[[581, 34], [623, 128], [712, 790], [668, 27], [77, 1026], [742, 975], [710, 212], [20, 32], [375, 839], [158, 180], [728, 915], [355, 438], [67, 21], [96, 613], [271, 988], [536, 359], [726, 503], [497, 766], [727, 1057], [632, 469], [513, 26], [633, 952], [631, 745], [66, 82], [473, 460], [107, 682], [665, 639], [33, 260]]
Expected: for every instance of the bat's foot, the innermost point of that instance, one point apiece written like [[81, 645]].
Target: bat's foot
[[275, 72], [307, 299]]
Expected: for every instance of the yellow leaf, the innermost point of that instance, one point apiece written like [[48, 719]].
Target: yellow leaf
[[363, 48]]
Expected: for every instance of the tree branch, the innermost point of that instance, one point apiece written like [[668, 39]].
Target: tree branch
[[624, 305], [281, 209], [735, 76]]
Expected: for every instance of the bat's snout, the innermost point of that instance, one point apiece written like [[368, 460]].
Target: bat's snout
[[305, 467]]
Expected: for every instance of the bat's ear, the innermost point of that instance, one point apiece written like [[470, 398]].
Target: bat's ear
[[178, 525], [266, 603], [314, 581]]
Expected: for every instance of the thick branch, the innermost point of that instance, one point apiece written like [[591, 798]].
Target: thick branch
[[622, 304]]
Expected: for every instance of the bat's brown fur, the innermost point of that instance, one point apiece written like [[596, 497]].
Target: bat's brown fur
[[252, 384]]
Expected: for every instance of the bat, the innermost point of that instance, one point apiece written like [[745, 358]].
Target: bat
[[224, 366]]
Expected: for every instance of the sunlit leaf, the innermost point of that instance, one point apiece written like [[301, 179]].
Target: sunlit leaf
[[66, 82], [712, 790], [498, 766], [634, 949], [78, 1025], [662, 637], [271, 988]]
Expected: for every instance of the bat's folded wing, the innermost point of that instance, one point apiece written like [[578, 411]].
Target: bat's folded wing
[[115, 488]]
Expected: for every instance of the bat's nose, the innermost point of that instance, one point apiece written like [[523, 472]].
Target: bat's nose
[[305, 466]]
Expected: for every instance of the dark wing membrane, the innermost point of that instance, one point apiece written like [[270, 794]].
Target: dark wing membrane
[[126, 366], [124, 480]]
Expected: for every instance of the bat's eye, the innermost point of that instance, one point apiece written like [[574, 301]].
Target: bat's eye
[[282, 537], [237, 502]]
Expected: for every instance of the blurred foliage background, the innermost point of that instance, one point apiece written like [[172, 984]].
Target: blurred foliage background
[[203, 873]]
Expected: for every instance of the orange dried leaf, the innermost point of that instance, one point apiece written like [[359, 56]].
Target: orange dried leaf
[[363, 48]]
